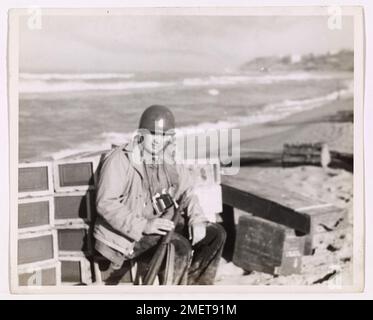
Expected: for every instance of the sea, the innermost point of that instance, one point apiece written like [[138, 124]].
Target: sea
[[65, 113]]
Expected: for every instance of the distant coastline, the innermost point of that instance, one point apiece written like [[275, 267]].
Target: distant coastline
[[342, 60]]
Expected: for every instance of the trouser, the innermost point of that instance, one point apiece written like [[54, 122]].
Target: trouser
[[195, 265]]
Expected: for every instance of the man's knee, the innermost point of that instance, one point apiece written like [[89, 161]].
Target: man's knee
[[182, 246]]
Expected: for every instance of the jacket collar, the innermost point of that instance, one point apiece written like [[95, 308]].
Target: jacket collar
[[133, 152]]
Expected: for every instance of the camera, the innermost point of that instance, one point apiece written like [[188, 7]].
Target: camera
[[162, 202]]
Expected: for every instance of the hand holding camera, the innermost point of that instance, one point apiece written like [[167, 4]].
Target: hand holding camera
[[161, 203]]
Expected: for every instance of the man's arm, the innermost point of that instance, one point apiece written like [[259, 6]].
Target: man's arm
[[112, 197], [196, 218]]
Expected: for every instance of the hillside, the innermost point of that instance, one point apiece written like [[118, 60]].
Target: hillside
[[340, 61]]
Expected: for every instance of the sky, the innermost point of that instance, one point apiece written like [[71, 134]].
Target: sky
[[171, 43]]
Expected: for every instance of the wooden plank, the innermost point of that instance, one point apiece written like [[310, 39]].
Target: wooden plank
[[272, 191], [267, 209]]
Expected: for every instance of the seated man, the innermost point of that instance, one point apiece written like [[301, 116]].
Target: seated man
[[130, 225]]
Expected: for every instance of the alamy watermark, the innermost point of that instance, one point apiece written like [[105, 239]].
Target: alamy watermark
[[34, 20], [334, 17], [195, 148]]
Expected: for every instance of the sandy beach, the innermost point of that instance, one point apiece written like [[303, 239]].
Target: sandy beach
[[331, 262]]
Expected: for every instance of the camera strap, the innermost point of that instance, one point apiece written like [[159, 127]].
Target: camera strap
[[169, 184], [151, 191], [150, 187]]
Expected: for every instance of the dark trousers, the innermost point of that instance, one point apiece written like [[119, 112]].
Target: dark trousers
[[195, 265]]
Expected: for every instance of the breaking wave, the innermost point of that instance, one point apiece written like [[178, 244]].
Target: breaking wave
[[58, 82], [268, 113], [44, 87], [75, 76], [258, 79]]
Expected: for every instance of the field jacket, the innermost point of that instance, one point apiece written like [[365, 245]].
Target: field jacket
[[122, 198]]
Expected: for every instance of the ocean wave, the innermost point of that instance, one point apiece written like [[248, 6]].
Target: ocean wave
[[213, 92], [57, 82], [38, 86], [269, 113], [75, 76], [306, 104], [259, 79], [214, 80], [272, 112]]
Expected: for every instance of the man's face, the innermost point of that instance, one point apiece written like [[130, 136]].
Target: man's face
[[156, 143]]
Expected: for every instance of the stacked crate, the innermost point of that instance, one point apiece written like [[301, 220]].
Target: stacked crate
[[56, 210], [74, 207], [37, 253]]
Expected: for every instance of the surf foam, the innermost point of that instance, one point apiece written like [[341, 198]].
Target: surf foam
[[269, 113]]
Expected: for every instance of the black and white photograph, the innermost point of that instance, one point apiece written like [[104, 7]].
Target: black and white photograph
[[186, 147]]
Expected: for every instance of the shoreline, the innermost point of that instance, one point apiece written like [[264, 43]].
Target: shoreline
[[323, 124]]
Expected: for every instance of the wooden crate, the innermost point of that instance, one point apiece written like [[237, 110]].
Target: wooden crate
[[75, 269], [43, 274], [210, 199], [35, 179], [74, 239], [75, 175], [268, 247], [37, 247], [35, 214], [73, 207]]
